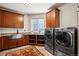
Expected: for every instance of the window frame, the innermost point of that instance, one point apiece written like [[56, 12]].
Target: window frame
[[32, 27]]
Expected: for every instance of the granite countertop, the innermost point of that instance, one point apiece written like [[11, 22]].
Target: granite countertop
[[26, 33]]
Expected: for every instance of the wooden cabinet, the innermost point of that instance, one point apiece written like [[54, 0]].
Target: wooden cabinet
[[0, 43], [52, 19], [5, 42], [26, 40], [48, 20], [8, 20], [13, 43], [18, 42], [19, 21], [11, 20], [1, 17], [36, 39]]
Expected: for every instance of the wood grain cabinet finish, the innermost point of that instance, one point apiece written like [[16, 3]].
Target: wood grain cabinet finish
[[11, 20], [1, 18], [18, 42], [48, 20], [13, 43], [1, 43], [52, 18], [19, 21], [26, 40], [8, 20], [5, 43]]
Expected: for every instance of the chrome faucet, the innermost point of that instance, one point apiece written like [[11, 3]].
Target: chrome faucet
[[17, 31]]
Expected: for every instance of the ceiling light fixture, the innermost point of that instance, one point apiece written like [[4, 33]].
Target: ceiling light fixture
[[27, 4]]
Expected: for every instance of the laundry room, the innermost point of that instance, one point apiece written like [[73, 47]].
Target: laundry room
[[39, 29]]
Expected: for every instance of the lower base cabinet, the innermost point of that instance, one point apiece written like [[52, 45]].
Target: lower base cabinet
[[36, 39], [18, 42], [26, 40], [5, 42], [13, 43], [0, 43]]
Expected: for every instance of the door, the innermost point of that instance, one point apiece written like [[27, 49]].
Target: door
[[5, 43], [64, 39], [1, 43], [49, 37], [53, 20], [9, 19], [26, 40], [19, 21], [20, 42], [1, 18], [48, 20], [13, 43]]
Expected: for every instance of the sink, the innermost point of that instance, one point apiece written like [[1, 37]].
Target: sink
[[16, 36]]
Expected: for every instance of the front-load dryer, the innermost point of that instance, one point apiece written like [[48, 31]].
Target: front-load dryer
[[66, 41]]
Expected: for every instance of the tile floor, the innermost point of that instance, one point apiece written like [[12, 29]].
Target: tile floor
[[40, 48]]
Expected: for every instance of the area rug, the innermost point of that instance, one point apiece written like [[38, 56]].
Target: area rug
[[27, 51]]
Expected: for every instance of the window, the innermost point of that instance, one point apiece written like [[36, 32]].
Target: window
[[38, 25]]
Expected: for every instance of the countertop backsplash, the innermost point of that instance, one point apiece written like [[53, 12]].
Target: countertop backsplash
[[6, 32]]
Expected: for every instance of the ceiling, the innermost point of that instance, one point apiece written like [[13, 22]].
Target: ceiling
[[34, 8]]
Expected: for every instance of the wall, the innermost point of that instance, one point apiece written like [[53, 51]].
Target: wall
[[68, 15], [13, 30]]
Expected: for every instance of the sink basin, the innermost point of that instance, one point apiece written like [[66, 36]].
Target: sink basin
[[16, 36]]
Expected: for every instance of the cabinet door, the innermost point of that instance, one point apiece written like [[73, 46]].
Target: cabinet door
[[53, 20], [8, 19], [26, 40], [19, 21], [13, 43], [12, 20], [48, 20], [0, 17], [57, 20], [1, 43], [20, 42], [5, 43]]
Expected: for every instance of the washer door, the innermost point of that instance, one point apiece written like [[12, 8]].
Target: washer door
[[64, 39], [48, 35]]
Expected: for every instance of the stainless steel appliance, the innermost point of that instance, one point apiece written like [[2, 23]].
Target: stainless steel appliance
[[66, 41], [49, 40]]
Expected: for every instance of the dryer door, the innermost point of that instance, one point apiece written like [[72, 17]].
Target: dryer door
[[64, 39]]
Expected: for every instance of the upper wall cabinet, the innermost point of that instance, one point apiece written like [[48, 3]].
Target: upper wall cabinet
[[1, 18], [52, 18], [11, 20], [19, 21], [48, 24]]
